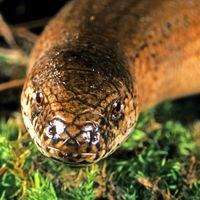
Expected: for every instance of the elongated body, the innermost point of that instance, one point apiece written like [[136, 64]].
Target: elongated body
[[98, 64]]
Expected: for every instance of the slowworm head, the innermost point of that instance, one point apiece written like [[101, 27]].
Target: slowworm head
[[77, 107]]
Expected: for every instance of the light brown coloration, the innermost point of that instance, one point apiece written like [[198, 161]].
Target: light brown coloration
[[99, 63]]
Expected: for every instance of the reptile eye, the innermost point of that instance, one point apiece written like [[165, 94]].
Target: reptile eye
[[116, 110], [38, 97]]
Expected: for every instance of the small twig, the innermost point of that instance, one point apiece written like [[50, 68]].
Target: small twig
[[11, 84], [6, 32], [3, 171], [13, 56], [34, 24], [24, 33]]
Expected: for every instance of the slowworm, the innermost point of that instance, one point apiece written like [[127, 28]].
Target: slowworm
[[98, 64]]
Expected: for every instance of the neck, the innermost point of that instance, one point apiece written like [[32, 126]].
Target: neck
[[168, 67]]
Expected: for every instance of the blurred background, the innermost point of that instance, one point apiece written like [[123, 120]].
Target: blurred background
[[32, 15], [20, 11]]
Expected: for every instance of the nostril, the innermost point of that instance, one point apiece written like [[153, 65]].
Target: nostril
[[95, 138], [55, 129], [91, 134], [52, 130]]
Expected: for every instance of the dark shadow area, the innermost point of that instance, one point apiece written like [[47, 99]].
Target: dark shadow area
[[19, 11], [185, 110]]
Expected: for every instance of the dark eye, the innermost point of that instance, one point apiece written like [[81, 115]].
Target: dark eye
[[38, 97], [116, 110]]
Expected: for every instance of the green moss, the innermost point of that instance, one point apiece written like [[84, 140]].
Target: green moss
[[86, 189], [41, 188]]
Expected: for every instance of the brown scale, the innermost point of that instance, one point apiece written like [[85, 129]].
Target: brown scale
[[93, 54]]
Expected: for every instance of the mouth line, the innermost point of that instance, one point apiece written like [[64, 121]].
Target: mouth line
[[70, 155]]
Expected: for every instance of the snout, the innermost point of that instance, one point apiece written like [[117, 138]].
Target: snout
[[73, 144]]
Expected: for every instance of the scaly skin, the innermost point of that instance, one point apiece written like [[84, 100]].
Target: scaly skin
[[99, 63]]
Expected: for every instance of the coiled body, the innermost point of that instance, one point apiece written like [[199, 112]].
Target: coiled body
[[99, 63]]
